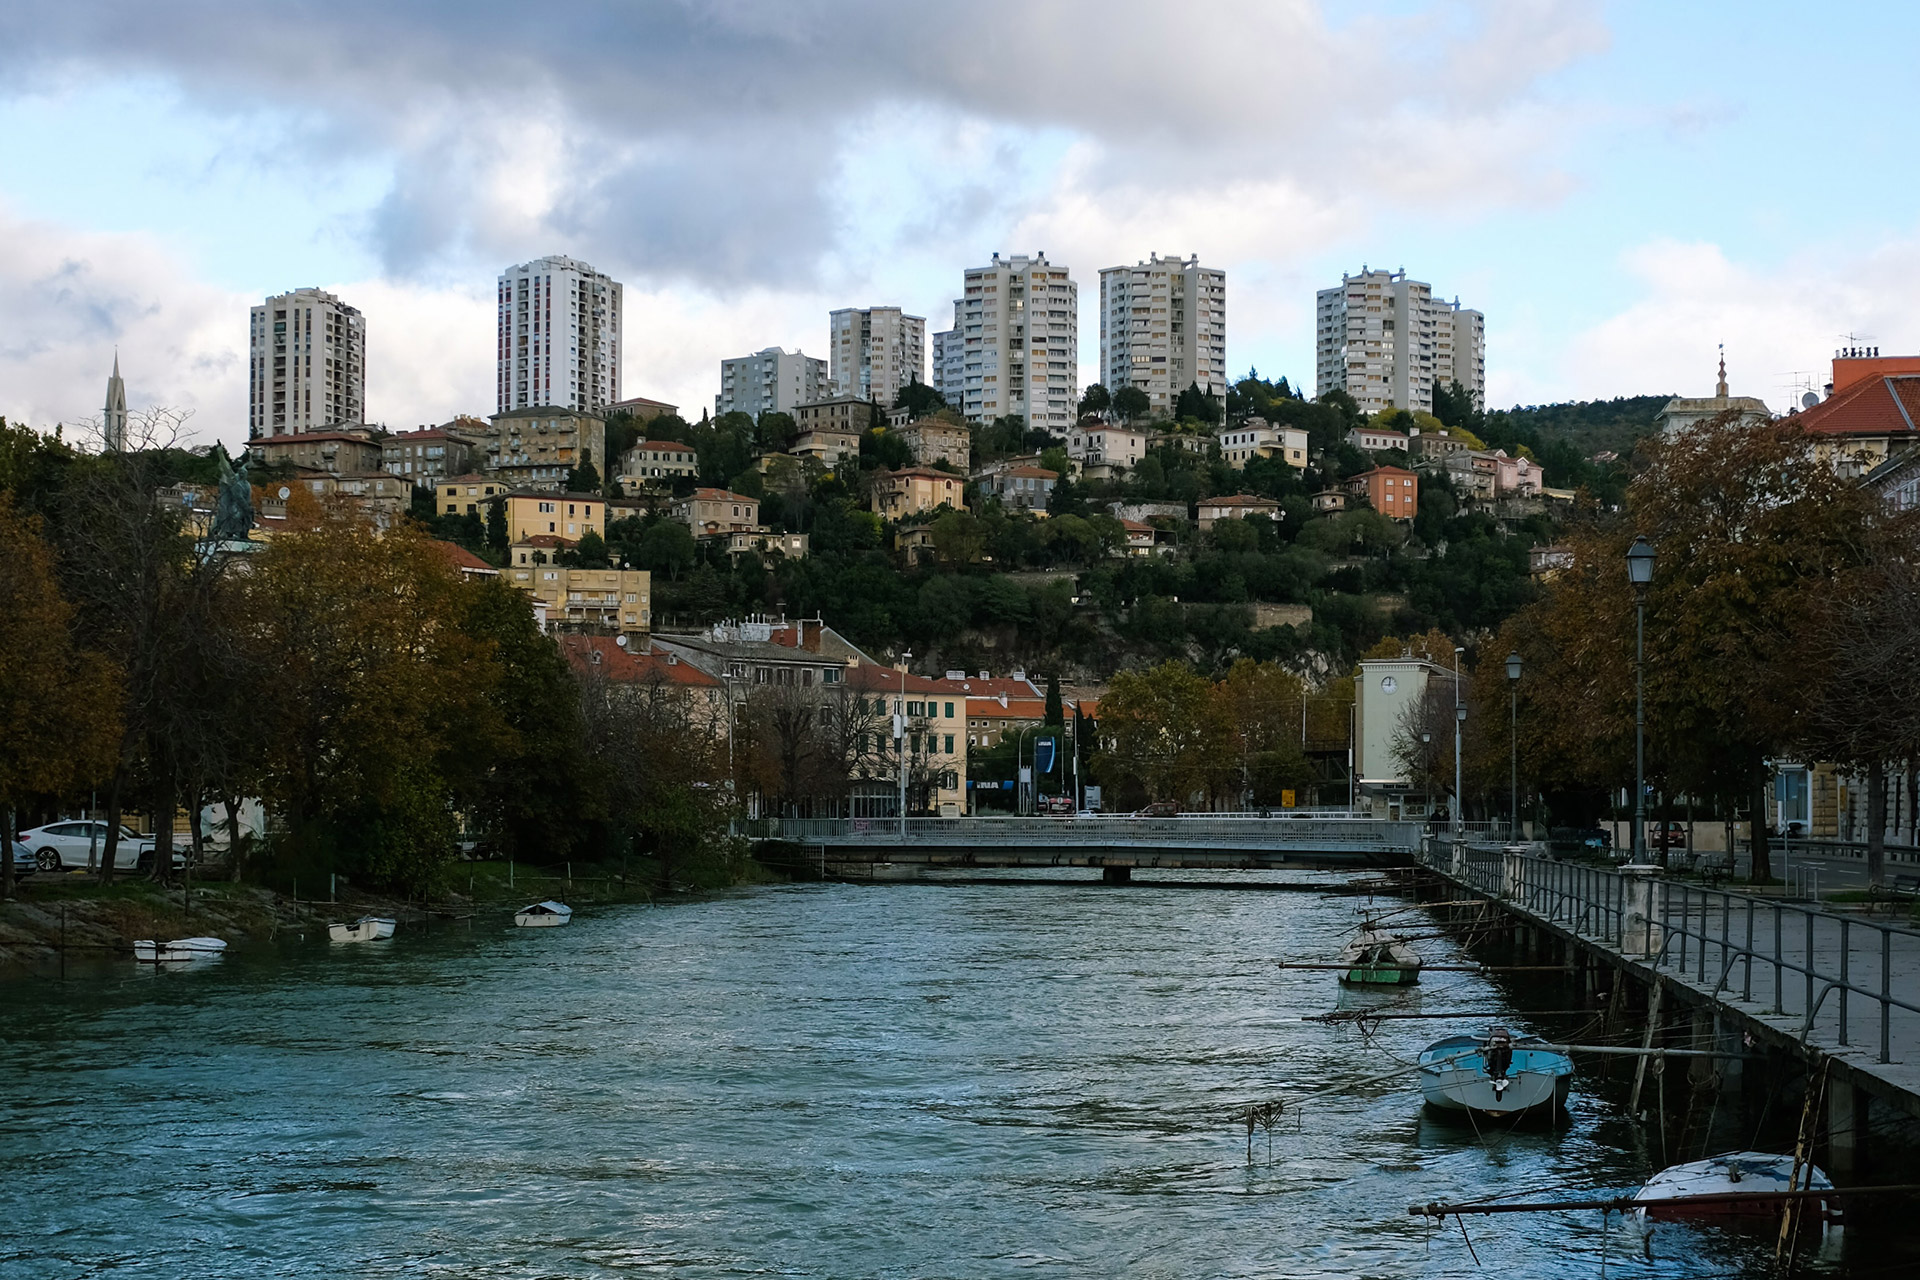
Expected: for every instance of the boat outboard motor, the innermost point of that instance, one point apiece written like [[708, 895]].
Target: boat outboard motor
[[1498, 1057]]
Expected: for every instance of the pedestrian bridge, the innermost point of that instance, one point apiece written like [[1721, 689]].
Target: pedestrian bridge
[[1117, 843]]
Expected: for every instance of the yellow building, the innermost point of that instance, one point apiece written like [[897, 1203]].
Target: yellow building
[[584, 599], [916, 489], [561, 515], [466, 495]]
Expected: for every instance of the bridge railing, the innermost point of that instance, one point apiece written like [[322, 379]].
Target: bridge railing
[[1845, 978], [1319, 829]]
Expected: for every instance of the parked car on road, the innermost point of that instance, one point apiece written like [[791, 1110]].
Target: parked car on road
[[23, 863], [1667, 835], [61, 845]]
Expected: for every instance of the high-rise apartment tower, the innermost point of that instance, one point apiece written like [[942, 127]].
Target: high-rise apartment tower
[[1019, 320], [1386, 341], [876, 351], [306, 364], [559, 337], [1163, 328], [768, 381], [950, 360]]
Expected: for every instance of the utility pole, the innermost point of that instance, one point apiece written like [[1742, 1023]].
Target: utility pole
[[1459, 718]]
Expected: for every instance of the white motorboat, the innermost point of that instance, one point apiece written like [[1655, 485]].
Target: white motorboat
[[1496, 1074], [1740, 1182], [178, 951], [1379, 959], [544, 915], [365, 929]]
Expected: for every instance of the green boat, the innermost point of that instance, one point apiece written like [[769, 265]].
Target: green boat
[[1380, 960]]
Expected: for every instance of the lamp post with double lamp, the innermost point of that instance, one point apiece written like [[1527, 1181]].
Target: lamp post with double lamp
[[1640, 560], [1513, 733]]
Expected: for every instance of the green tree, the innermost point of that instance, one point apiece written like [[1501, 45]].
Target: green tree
[[668, 548], [584, 478], [497, 534], [1094, 400], [1197, 406], [1164, 733], [1055, 710], [1131, 403], [591, 551], [59, 703], [919, 399]]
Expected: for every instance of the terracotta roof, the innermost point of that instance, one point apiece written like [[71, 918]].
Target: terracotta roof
[[555, 495], [1887, 405], [878, 679], [1381, 471], [1136, 526], [472, 477], [1239, 500], [928, 473], [673, 445], [641, 402], [992, 687], [1034, 473], [425, 433], [311, 437], [628, 667], [461, 558], [717, 495], [545, 540]]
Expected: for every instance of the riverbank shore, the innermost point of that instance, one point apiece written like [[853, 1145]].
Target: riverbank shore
[[76, 913]]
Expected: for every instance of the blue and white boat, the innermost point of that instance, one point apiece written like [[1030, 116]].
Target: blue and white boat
[[1497, 1074]]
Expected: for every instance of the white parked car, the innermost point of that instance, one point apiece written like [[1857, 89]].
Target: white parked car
[[61, 845]]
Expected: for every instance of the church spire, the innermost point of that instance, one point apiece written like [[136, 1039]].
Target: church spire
[[113, 419], [1720, 389]]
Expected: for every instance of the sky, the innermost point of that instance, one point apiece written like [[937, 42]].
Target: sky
[[1619, 187]]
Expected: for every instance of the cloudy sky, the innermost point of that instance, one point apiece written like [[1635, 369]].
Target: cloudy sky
[[1619, 186]]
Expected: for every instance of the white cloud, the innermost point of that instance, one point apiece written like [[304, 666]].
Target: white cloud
[[72, 297], [1780, 322]]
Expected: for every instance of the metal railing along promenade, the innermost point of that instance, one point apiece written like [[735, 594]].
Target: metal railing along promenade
[[1339, 831], [1846, 980]]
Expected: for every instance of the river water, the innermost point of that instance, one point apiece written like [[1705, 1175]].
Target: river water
[[821, 1080]]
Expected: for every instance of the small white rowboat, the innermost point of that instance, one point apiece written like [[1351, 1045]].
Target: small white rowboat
[[179, 951], [544, 915], [365, 929], [1743, 1176]]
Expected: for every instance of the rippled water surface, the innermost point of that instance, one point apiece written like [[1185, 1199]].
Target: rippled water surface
[[828, 1080]]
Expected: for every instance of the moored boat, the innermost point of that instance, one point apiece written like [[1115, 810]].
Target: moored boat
[[1380, 960], [544, 915], [1743, 1178], [1495, 1075], [365, 929], [178, 951]]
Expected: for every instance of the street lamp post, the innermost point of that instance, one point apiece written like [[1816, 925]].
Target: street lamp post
[[1513, 732], [1459, 720], [1640, 560], [900, 739], [1426, 774], [1020, 786]]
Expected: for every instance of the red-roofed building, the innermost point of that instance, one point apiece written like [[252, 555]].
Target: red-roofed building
[[709, 512], [915, 489], [1872, 414], [1236, 507], [468, 564], [656, 464], [430, 455], [1392, 491], [639, 669], [1021, 488], [931, 718]]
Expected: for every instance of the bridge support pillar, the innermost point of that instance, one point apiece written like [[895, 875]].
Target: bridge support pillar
[[1116, 875], [1846, 1126]]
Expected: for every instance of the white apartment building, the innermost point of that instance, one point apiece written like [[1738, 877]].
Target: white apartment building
[[559, 337], [1099, 447], [306, 365], [1258, 438], [1019, 319], [950, 361], [1386, 341], [1163, 328], [770, 381], [875, 351]]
